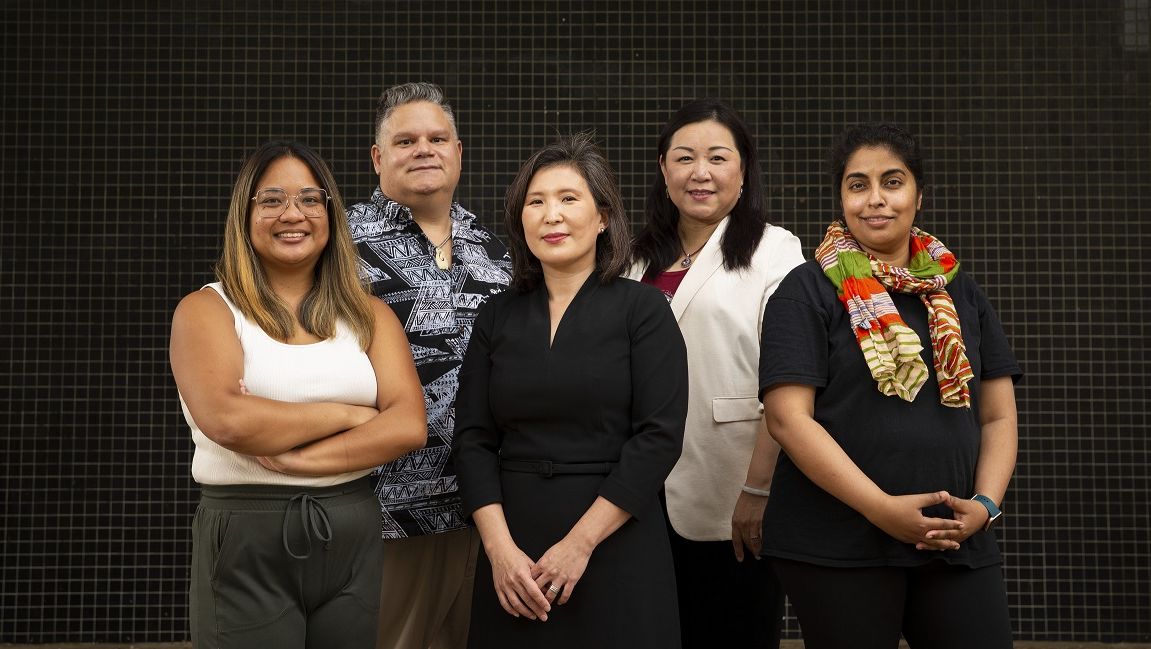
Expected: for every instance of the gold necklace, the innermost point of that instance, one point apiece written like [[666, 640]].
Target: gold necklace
[[686, 263], [443, 261]]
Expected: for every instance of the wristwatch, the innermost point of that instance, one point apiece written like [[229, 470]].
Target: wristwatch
[[994, 514]]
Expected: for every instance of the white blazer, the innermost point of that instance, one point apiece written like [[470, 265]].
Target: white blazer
[[720, 314]]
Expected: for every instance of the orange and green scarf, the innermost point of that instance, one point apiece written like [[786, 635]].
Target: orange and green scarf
[[890, 347]]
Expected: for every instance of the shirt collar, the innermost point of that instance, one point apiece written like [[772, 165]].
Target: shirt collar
[[399, 215]]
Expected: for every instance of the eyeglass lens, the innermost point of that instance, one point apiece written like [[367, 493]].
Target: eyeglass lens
[[274, 202]]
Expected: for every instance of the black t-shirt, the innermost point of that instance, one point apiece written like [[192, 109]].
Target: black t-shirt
[[905, 448]]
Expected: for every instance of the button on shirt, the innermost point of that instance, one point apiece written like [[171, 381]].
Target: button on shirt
[[418, 492]]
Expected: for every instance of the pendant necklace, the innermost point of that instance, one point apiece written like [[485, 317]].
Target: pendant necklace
[[442, 259], [686, 263]]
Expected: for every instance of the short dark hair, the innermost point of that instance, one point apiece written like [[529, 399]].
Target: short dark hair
[[410, 93], [658, 245], [885, 135], [579, 151]]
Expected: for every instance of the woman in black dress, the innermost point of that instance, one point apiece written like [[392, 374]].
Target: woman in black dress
[[570, 415]]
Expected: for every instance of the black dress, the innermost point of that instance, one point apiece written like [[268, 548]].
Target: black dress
[[611, 388]]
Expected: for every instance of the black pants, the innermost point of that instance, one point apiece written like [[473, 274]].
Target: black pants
[[723, 602], [934, 606]]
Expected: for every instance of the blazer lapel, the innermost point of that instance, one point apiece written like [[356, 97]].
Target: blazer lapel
[[705, 265]]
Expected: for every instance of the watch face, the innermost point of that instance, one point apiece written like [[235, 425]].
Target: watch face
[[993, 521]]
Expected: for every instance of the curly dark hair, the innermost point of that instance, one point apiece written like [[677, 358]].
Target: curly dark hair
[[885, 135]]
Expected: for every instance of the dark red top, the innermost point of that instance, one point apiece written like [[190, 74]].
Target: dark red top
[[668, 281]]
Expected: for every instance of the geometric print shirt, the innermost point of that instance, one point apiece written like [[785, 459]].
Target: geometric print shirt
[[418, 491]]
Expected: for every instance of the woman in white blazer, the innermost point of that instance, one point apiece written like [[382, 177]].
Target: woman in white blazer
[[707, 244]]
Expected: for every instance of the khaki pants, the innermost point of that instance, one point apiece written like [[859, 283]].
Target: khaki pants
[[426, 592]]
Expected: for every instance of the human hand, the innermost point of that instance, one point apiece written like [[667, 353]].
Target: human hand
[[747, 524], [513, 573], [561, 568], [281, 463], [360, 414], [902, 518], [972, 514]]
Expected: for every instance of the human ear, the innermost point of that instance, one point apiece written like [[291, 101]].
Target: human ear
[[377, 157]]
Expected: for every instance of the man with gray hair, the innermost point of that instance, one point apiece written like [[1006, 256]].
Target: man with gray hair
[[435, 265]]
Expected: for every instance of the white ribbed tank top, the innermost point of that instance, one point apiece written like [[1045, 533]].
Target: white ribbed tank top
[[331, 370]]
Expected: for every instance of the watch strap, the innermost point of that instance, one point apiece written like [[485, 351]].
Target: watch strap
[[993, 511]]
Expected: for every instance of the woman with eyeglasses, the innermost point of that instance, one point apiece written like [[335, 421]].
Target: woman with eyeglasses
[[295, 384]]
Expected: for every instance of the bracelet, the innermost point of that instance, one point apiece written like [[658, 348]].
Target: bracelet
[[756, 492]]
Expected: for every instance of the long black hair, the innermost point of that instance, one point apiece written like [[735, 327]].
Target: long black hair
[[658, 244]]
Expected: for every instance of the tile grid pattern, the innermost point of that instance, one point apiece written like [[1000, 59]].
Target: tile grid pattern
[[124, 125]]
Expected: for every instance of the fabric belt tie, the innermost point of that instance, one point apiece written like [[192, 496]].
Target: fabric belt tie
[[313, 520], [547, 468]]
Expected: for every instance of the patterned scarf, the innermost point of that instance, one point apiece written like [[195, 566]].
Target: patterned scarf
[[890, 347]]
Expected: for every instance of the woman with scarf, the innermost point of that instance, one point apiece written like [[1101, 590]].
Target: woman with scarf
[[887, 379]]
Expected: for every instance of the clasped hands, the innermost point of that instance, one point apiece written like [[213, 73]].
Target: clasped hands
[[902, 517], [528, 588]]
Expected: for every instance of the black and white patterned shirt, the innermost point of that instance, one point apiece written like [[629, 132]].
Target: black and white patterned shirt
[[418, 491]]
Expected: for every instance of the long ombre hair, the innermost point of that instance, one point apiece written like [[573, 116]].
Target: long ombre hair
[[337, 293]]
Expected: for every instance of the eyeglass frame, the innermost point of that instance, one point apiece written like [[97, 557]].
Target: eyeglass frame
[[295, 199]]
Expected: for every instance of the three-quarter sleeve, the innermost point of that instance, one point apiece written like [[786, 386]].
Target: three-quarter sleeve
[[477, 439], [659, 404]]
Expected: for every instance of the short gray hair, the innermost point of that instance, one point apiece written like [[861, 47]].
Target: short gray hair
[[408, 93]]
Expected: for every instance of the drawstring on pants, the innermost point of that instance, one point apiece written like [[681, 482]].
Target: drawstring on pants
[[313, 520]]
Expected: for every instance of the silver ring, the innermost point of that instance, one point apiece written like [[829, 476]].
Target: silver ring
[[553, 589]]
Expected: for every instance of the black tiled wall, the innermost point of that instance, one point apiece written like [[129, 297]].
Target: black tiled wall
[[124, 124]]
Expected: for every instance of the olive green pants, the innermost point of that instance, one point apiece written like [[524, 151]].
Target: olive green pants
[[286, 567]]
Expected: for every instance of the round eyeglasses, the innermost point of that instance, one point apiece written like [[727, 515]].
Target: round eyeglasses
[[271, 203]]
